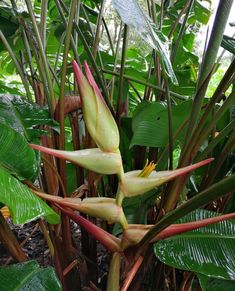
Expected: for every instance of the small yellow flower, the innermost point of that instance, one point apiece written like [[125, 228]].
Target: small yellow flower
[[140, 181]]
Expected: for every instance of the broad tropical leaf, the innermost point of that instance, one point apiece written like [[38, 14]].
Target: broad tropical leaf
[[25, 117], [213, 284], [23, 204], [208, 250], [8, 114], [28, 276], [132, 15], [15, 155], [150, 123]]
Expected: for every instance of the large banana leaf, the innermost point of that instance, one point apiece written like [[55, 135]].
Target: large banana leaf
[[208, 250], [15, 154], [23, 204], [132, 15], [28, 276]]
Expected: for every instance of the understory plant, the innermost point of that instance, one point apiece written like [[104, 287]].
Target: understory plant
[[134, 152]]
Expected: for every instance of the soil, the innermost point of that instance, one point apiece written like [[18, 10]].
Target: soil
[[35, 246]]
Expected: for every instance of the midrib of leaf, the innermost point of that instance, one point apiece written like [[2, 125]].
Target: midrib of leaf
[[22, 283], [201, 235]]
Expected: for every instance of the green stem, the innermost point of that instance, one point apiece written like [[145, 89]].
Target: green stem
[[115, 63], [93, 62], [50, 97], [43, 19], [207, 128], [121, 78], [18, 67], [114, 273], [173, 28], [64, 70], [224, 84], [181, 32], [227, 148], [98, 27], [142, 82], [58, 4], [62, 86], [209, 61], [216, 141], [170, 129]]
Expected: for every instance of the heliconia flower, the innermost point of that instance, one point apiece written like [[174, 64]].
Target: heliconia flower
[[105, 163], [98, 118], [99, 207], [140, 181], [135, 232]]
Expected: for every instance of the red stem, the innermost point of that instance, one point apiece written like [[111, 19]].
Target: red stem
[[109, 241]]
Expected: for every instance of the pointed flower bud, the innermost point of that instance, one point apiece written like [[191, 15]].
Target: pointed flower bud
[[138, 182], [105, 163], [101, 207], [98, 119]]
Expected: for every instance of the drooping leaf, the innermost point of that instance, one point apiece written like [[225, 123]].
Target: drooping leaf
[[150, 124], [28, 276], [133, 16], [208, 250], [9, 114], [23, 204], [25, 117], [15, 154]]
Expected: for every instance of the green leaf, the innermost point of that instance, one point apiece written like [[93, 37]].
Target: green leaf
[[228, 43], [28, 276], [132, 15], [208, 250], [25, 117], [212, 284], [202, 14], [33, 115], [9, 115], [23, 204], [15, 154], [150, 123], [8, 22]]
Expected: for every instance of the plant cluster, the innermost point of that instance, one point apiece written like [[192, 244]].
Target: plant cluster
[[165, 227]]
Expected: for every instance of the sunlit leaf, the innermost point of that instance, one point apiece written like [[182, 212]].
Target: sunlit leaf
[[23, 204], [133, 16], [15, 154]]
